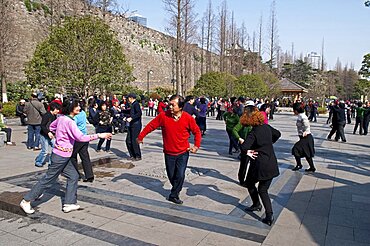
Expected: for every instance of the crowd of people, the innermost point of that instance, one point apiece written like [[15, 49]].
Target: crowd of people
[[62, 126]]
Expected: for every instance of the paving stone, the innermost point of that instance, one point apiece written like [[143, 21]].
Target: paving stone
[[217, 239], [10, 239], [90, 241], [335, 241], [33, 231], [60, 237], [278, 235], [140, 220], [315, 224], [340, 232]]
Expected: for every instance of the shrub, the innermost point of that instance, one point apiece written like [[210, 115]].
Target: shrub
[[28, 5], [322, 110], [36, 6], [9, 109]]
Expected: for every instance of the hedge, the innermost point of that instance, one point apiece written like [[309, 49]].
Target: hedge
[[9, 109]]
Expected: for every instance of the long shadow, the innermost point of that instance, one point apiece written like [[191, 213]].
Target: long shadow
[[210, 172], [146, 182]]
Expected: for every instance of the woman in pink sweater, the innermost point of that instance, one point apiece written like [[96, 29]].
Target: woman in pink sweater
[[66, 133]]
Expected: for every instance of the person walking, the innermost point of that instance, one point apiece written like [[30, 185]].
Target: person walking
[[46, 136], [366, 117], [34, 110], [134, 128], [66, 133], [104, 125], [201, 118], [339, 122], [305, 146], [82, 149], [359, 118], [189, 106], [176, 127], [231, 120], [263, 165], [150, 107]]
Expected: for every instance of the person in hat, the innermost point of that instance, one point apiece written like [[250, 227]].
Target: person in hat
[[134, 128]]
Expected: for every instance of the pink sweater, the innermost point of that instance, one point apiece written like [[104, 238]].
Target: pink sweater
[[66, 133]]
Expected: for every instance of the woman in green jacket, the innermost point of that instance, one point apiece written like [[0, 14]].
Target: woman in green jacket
[[232, 119]]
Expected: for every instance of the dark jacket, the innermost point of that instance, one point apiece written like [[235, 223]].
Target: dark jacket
[[34, 110], [260, 139], [19, 110], [190, 109], [135, 114], [45, 123], [339, 115]]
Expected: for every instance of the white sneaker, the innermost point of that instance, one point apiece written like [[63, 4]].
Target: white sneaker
[[70, 207], [26, 206]]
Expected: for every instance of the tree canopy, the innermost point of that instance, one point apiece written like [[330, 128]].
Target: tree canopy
[[81, 56], [213, 84], [300, 72], [251, 85], [365, 68]]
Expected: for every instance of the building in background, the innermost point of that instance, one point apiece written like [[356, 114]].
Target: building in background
[[314, 60], [138, 19]]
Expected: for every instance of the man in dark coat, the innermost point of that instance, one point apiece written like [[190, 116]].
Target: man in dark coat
[[134, 128]]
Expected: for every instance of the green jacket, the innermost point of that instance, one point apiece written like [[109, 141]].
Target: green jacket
[[240, 131], [231, 120], [360, 111]]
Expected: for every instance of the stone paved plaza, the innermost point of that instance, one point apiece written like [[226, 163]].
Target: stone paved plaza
[[126, 204]]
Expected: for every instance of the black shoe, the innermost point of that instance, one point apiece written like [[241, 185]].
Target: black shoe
[[175, 200], [310, 170], [90, 180], [268, 220], [137, 159], [254, 208], [296, 168]]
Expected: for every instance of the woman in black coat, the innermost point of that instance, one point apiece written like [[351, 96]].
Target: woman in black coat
[[263, 166]]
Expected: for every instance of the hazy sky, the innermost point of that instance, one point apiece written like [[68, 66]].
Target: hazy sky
[[344, 24]]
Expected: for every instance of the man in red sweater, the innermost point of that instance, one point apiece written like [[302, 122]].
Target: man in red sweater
[[176, 127]]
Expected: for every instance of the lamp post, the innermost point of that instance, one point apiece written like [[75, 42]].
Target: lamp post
[[148, 78]]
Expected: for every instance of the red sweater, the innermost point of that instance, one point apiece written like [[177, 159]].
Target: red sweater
[[175, 134]]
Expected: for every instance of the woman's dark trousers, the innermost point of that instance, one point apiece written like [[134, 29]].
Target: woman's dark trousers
[[359, 123], [262, 191], [81, 148]]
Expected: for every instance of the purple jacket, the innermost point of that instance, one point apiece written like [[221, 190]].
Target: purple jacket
[[66, 133]]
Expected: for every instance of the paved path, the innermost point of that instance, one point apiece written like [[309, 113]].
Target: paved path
[[128, 206]]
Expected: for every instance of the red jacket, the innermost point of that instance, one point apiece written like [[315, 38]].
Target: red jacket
[[175, 134], [161, 107]]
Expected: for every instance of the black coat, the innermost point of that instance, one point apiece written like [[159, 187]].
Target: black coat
[[260, 139], [135, 114]]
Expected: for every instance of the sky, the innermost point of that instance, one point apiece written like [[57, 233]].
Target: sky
[[342, 24]]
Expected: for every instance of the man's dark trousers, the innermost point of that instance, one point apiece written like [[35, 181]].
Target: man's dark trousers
[[132, 146], [175, 167], [81, 148]]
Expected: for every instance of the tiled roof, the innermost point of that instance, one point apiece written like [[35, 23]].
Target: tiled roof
[[288, 85]]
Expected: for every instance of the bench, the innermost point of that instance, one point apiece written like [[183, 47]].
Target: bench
[[2, 138]]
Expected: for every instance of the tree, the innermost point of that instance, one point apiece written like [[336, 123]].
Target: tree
[[365, 68], [362, 88], [300, 72], [273, 36], [250, 85], [213, 84], [83, 55]]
